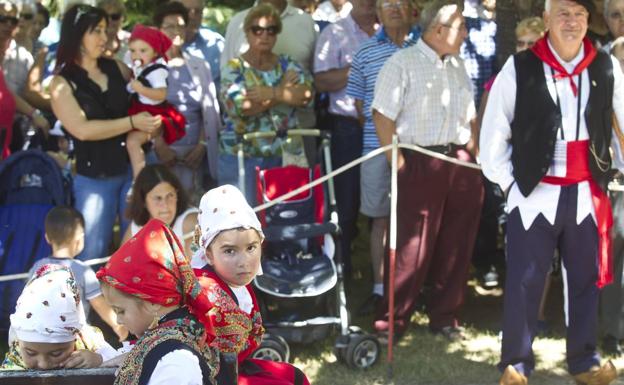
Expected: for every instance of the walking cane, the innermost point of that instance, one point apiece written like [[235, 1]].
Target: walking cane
[[392, 251]]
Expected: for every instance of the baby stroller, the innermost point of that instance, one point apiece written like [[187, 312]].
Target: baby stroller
[[301, 291], [31, 183]]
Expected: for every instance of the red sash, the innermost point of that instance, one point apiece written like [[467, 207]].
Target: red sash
[[578, 171]]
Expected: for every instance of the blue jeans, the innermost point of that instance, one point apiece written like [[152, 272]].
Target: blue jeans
[[228, 172], [100, 200]]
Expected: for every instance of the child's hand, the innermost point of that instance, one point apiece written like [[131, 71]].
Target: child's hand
[[82, 359], [136, 85]]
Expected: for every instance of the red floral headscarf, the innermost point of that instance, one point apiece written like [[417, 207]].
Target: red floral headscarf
[[152, 267]]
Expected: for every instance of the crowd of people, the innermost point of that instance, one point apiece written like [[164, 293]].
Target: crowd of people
[[147, 120]]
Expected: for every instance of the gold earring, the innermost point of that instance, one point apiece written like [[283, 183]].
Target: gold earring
[[154, 322]]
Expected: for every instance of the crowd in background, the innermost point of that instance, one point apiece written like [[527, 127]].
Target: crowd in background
[[284, 65]]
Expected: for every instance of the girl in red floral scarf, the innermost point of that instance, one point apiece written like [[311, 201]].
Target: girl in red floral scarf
[[153, 290]]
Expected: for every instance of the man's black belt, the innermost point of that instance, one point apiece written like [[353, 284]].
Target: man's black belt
[[444, 149]]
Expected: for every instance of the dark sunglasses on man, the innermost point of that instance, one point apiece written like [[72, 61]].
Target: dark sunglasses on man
[[9, 19], [27, 16], [115, 16], [271, 30]]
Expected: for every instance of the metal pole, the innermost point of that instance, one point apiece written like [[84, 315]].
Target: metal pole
[[392, 250]]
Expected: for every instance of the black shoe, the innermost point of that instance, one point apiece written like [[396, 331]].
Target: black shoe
[[369, 305], [611, 346], [451, 333]]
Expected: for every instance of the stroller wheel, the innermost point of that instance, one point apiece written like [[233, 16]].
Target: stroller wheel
[[362, 351], [272, 348]]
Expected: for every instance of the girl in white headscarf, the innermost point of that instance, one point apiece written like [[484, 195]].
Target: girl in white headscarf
[[230, 238], [49, 329]]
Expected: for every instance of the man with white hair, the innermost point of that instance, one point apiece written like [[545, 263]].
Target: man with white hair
[[423, 94], [545, 140]]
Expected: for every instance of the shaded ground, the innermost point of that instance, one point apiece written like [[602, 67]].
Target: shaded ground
[[421, 358]]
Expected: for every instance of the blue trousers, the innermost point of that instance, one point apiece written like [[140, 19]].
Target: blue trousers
[[100, 200], [529, 257]]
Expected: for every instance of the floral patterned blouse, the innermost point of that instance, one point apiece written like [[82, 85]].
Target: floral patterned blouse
[[236, 78]]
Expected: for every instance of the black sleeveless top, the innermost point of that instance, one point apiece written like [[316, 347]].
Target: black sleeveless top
[[107, 157]]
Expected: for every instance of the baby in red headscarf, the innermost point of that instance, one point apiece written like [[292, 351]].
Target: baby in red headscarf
[[148, 51]]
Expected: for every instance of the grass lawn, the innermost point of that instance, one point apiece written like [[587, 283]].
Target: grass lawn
[[421, 358]]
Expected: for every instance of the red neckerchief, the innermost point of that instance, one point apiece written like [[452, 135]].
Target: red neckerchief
[[542, 50]]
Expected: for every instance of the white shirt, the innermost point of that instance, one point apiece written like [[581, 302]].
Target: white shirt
[[157, 79], [178, 226], [297, 39], [429, 99], [245, 302], [16, 64], [495, 140], [179, 367], [327, 12]]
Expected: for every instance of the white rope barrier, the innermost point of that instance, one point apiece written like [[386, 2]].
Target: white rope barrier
[[323, 179]]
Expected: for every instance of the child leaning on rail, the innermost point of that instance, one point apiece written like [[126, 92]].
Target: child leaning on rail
[[64, 231], [230, 238], [49, 328]]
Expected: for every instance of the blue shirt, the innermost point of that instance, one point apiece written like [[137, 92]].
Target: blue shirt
[[208, 45], [365, 67], [479, 53]]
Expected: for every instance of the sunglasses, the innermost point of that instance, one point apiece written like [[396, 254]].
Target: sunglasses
[[27, 16], [9, 19], [114, 16], [271, 30]]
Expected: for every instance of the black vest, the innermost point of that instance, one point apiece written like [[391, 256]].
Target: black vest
[[537, 120]]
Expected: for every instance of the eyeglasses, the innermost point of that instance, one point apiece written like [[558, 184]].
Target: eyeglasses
[[173, 27], [460, 27], [271, 30], [523, 43], [199, 10], [9, 19], [27, 16], [114, 16], [398, 4]]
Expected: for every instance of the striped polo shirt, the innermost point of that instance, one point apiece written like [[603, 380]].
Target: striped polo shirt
[[365, 67]]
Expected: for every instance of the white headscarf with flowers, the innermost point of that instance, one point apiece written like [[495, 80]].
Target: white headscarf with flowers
[[49, 309], [222, 208]]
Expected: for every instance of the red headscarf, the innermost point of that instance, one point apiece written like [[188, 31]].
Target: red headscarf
[[152, 36], [152, 266]]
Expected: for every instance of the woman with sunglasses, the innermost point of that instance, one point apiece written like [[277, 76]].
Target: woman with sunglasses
[[260, 91], [117, 44], [90, 99]]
